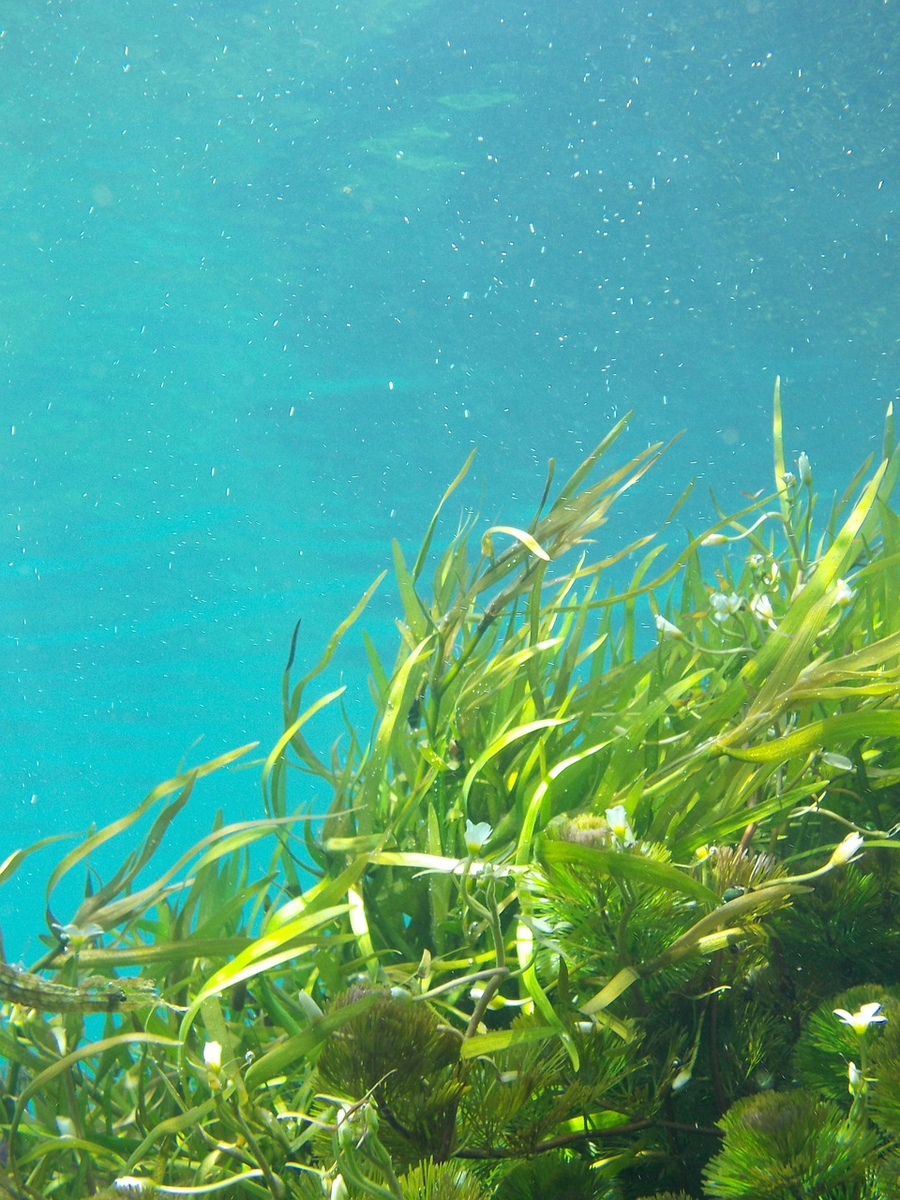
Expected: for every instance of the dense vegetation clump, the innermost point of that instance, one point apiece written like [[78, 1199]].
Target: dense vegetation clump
[[582, 920]]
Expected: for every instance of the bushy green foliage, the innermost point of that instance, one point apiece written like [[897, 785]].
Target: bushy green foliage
[[575, 921], [401, 1052], [826, 1046], [440, 1181], [556, 1175], [667, 1196], [788, 1146]]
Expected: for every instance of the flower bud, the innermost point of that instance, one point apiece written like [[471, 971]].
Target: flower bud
[[843, 594], [212, 1056], [309, 1006], [761, 607], [846, 851], [682, 1079], [840, 762], [133, 1187], [212, 1060], [343, 1121], [339, 1189]]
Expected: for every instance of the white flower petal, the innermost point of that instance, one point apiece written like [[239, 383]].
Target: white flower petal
[[477, 835], [868, 1014]]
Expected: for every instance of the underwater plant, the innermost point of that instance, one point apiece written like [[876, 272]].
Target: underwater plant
[[589, 912]]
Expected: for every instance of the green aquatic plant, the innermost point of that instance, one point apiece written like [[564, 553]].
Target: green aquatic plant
[[556, 1175], [788, 1146], [440, 1181], [827, 1046], [577, 916]]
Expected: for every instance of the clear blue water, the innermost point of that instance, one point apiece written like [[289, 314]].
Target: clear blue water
[[270, 270]]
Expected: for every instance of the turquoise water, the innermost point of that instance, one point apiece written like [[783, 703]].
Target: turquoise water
[[270, 271]]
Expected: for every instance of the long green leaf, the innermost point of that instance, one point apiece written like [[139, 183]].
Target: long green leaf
[[184, 781], [634, 867], [13, 861], [787, 650], [264, 953], [507, 739], [828, 733], [91, 1050]]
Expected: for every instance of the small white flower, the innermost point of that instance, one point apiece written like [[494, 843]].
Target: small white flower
[[477, 835], [868, 1014], [666, 629], [76, 937], [804, 470], [722, 607], [620, 827], [842, 594], [846, 851]]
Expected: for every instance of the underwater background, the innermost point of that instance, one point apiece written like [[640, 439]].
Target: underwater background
[[271, 270]]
